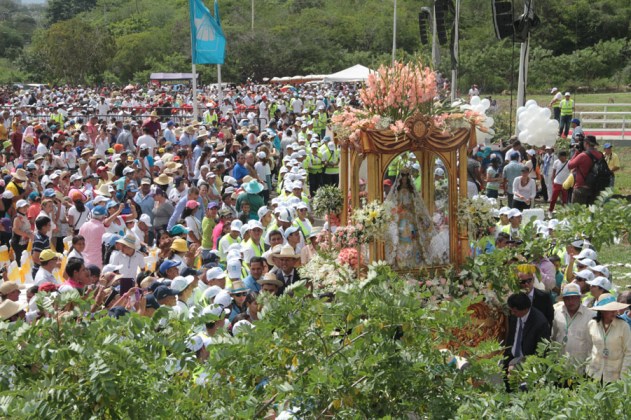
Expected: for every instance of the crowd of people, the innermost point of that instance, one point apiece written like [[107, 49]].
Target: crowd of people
[[127, 198]]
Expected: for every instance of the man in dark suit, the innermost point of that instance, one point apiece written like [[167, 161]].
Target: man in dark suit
[[285, 260], [527, 327], [539, 299]]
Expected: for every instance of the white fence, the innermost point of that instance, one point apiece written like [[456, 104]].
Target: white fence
[[605, 124]]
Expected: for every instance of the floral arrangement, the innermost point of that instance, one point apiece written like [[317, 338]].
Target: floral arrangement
[[328, 200], [393, 94], [350, 257], [343, 237], [373, 220], [327, 274], [477, 214]]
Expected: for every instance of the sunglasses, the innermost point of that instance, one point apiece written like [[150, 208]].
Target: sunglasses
[[240, 294], [525, 281]]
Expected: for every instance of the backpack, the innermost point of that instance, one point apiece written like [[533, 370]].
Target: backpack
[[599, 177]]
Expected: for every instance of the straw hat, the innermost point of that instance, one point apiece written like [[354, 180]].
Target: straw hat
[[270, 278], [129, 240], [190, 130], [238, 287], [202, 133], [163, 179], [104, 190], [611, 306], [8, 308], [20, 175], [286, 251]]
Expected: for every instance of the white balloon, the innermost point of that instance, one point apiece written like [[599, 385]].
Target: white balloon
[[485, 103], [475, 100], [523, 135], [546, 113], [520, 110], [531, 102], [490, 121]]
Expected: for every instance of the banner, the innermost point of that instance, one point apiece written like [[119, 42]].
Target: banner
[[208, 40]]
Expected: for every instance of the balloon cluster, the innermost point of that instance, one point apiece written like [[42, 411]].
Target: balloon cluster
[[481, 106], [535, 126]]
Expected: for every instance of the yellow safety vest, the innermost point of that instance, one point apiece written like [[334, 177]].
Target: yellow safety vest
[[331, 158], [231, 241], [567, 107], [258, 250]]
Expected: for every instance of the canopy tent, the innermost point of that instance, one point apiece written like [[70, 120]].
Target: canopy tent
[[357, 73]]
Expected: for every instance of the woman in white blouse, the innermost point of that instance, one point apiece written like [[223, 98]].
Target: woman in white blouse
[[524, 190], [611, 343]]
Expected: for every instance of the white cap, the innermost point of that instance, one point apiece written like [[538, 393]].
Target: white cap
[[505, 211], [235, 225], [514, 213], [180, 283], [600, 269], [215, 273], [241, 327], [223, 298], [585, 274], [587, 253], [111, 268], [255, 224], [601, 281], [588, 262], [261, 155], [234, 268], [211, 292], [144, 218]]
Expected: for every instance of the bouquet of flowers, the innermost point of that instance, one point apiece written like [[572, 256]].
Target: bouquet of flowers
[[373, 220], [393, 94], [476, 214], [327, 274], [327, 200]]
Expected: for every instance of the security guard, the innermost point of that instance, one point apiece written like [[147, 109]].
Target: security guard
[[330, 156], [567, 110], [314, 168]]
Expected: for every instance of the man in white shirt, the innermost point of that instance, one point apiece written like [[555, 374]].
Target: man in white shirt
[[147, 139], [560, 172], [48, 261], [570, 324]]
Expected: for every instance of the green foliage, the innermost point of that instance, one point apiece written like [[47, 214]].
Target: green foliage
[[293, 37], [60, 10], [371, 351], [328, 199], [601, 222]]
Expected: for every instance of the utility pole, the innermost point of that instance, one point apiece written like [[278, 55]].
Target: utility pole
[[252, 15], [435, 47], [455, 52], [522, 83], [394, 33]]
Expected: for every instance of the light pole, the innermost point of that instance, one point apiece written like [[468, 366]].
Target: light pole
[[394, 33], [252, 16], [435, 47], [455, 52]]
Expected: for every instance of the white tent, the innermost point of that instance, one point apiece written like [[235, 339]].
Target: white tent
[[357, 73]]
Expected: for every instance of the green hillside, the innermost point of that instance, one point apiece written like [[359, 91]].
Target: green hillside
[[579, 43]]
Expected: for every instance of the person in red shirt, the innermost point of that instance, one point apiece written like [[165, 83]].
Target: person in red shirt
[[580, 165], [92, 129]]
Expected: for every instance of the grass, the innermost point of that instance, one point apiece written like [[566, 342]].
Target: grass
[[618, 259]]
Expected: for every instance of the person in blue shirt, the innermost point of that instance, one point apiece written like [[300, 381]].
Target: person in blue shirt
[[144, 198], [257, 265], [193, 194], [239, 171]]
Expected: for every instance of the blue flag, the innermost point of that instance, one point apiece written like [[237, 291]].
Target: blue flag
[[208, 40]]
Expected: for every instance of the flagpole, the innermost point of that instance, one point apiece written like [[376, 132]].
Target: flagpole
[[220, 96], [394, 33], [195, 113]]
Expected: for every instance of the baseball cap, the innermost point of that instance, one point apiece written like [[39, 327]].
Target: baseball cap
[[167, 264], [586, 275], [235, 225], [234, 268], [600, 281], [144, 218], [162, 292], [47, 255], [99, 211], [600, 269], [607, 146], [178, 230], [215, 273], [587, 253], [213, 204]]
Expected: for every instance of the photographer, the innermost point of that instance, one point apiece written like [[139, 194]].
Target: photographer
[[580, 165]]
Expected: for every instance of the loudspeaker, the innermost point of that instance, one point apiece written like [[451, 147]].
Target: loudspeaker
[[440, 11], [424, 26], [503, 19]]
